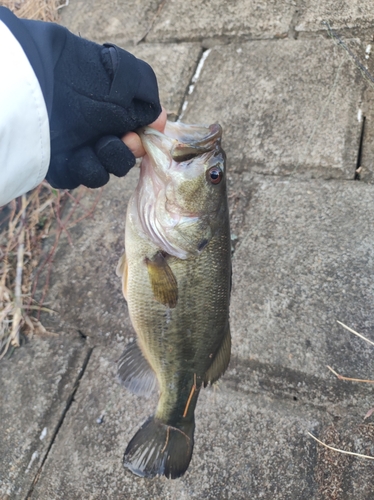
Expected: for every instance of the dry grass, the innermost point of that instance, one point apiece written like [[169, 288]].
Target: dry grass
[[338, 450], [25, 224], [349, 379], [43, 10]]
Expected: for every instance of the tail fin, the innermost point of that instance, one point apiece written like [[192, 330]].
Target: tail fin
[[158, 449]]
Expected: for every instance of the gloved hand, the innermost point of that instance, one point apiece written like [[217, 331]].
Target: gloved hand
[[94, 95]]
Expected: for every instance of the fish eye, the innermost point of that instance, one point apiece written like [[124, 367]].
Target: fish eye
[[215, 175]]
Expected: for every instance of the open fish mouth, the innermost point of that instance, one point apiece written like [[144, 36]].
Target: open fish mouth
[[183, 141], [196, 141]]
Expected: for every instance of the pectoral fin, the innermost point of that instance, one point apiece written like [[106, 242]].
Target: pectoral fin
[[220, 361], [121, 271], [163, 281]]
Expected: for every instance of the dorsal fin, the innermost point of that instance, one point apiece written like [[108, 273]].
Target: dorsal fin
[[220, 361]]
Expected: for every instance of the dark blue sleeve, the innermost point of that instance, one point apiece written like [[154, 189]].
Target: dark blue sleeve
[[43, 44], [94, 95], [40, 60]]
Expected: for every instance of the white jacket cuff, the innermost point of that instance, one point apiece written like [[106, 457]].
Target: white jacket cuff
[[24, 125]]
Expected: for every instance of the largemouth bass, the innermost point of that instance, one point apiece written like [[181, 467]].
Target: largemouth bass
[[176, 275]]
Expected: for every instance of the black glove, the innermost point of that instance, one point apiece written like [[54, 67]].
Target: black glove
[[94, 95]]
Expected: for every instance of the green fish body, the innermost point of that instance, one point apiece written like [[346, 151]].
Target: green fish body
[[176, 275]]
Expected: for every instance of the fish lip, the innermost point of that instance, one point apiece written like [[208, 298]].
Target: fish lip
[[152, 138], [151, 131]]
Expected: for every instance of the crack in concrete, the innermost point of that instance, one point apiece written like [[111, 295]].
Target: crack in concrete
[[151, 24], [360, 150], [192, 82], [60, 422]]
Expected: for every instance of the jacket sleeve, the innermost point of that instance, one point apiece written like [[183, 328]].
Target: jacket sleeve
[[65, 104], [24, 123]]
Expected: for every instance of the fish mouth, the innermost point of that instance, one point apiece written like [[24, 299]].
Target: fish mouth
[[189, 146], [183, 142]]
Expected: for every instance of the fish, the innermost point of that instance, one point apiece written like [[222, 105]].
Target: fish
[[176, 279]]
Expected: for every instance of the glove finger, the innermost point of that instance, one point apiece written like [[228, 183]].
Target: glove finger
[[114, 155], [86, 169], [59, 175]]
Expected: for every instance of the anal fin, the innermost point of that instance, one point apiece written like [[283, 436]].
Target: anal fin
[[134, 372], [220, 361], [163, 282]]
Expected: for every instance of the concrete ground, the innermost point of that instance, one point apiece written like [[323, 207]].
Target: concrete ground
[[298, 120]]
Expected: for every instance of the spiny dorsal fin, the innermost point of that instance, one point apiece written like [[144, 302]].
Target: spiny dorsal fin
[[134, 372], [220, 361], [121, 271], [163, 281]]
